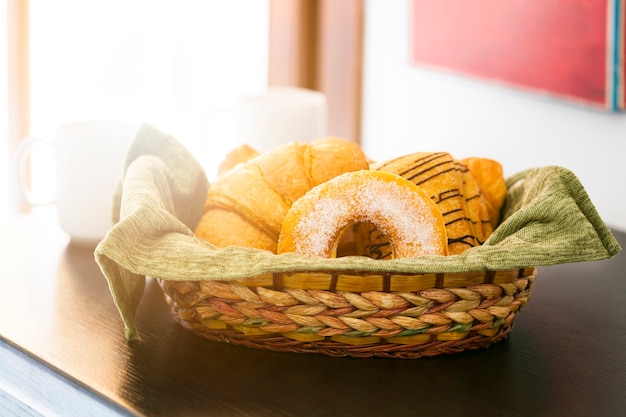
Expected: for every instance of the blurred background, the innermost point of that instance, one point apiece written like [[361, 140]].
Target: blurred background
[[181, 65]]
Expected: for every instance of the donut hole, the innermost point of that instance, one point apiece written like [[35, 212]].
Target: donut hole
[[364, 239]]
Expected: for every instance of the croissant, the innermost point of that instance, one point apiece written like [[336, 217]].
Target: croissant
[[489, 175], [236, 156], [246, 205]]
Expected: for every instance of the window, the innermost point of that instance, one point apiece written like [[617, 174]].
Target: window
[[176, 65], [4, 157]]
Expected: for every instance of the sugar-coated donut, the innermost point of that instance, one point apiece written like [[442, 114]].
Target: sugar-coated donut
[[398, 208]]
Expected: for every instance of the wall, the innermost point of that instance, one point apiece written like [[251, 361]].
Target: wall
[[410, 109]]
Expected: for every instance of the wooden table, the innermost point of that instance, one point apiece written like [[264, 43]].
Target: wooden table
[[62, 350]]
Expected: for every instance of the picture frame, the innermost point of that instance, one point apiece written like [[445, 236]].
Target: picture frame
[[570, 49]]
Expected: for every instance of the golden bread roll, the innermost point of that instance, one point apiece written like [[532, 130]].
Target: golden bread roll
[[236, 156], [475, 205], [214, 223], [259, 193], [395, 206], [467, 213], [490, 177]]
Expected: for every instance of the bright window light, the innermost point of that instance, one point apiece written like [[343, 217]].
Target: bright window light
[[4, 94], [177, 65]]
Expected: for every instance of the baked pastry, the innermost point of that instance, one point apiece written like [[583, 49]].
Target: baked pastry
[[246, 206], [490, 178], [239, 155], [395, 206], [470, 216]]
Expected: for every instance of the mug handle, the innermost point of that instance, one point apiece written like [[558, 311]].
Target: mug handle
[[22, 153]]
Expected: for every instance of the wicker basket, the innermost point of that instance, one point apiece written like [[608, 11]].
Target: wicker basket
[[355, 314], [398, 308]]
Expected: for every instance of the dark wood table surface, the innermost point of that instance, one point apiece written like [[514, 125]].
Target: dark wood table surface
[[62, 350]]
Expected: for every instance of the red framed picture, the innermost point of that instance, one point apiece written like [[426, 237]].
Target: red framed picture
[[571, 49]]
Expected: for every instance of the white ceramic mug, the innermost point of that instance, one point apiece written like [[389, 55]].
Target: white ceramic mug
[[280, 115], [88, 162], [264, 121]]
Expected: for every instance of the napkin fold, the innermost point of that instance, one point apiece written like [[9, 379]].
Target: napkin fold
[[547, 219]]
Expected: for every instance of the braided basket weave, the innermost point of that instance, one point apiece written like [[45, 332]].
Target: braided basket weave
[[355, 314]]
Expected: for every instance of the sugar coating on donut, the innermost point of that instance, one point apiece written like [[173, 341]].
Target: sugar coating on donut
[[394, 205]]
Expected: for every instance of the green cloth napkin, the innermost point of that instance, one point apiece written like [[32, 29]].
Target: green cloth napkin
[[547, 219]]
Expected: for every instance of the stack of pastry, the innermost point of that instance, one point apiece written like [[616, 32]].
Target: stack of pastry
[[328, 195], [246, 205], [468, 192]]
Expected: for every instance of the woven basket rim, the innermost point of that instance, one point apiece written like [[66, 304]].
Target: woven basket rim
[[432, 317]]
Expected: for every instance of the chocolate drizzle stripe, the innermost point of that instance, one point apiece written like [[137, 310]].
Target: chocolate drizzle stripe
[[458, 220], [453, 193], [391, 161], [426, 166], [424, 161], [462, 240], [422, 181], [429, 158]]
